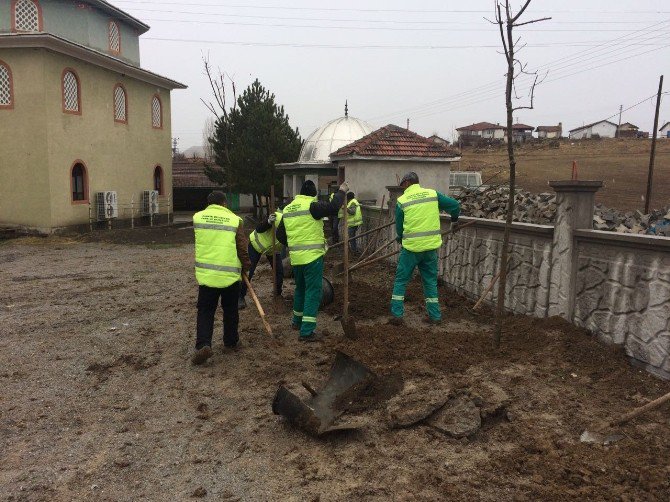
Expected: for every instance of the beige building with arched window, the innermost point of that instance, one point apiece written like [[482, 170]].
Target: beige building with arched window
[[79, 117]]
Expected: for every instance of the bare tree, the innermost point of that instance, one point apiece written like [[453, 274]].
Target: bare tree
[[207, 134], [507, 21], [220, 83]]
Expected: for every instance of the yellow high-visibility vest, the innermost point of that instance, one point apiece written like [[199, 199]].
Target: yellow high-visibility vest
[[216, 262], [421, 228], [306, 240], [356, 219], [262, 242]]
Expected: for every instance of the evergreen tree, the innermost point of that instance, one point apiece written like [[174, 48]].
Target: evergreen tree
[[249, 140]]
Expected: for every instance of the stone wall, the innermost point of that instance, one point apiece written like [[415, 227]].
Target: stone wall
[[617, 286], [622, 294]]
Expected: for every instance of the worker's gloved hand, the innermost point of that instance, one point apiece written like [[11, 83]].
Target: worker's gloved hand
[[344, 187], [272, 218], [454, 220]]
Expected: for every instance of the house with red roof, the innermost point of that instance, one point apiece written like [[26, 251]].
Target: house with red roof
[[380, 159]]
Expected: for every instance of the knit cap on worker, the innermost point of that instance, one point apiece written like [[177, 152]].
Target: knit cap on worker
[[308, 188]]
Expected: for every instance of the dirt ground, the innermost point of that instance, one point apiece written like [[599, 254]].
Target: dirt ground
[[99, 400], [622, 164]]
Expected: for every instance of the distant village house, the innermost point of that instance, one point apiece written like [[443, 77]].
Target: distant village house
[[550, 132], [602, 129], [665, 130], [485, 130]]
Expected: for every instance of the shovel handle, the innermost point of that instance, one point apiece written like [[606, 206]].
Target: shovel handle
[[642, 409], [259, 307]]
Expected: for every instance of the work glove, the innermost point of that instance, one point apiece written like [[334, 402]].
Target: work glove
[[454, 220], [344, 187], [272, 218]]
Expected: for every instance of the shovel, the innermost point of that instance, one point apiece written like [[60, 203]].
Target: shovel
[[599, 435], [348, 324], [347, 381]]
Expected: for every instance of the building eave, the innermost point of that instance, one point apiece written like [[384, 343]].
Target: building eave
[[111, 9], [341, 158], [83, 53]]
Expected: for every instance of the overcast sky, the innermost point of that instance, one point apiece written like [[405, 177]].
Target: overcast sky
[[432, 61]]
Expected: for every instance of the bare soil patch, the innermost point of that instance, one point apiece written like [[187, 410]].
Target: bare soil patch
[[100, 402]]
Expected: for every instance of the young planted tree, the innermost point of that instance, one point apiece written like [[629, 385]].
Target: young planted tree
[[249, 138], [507, 21]]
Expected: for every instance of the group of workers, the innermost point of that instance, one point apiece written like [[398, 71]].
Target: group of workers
[[223, 255]]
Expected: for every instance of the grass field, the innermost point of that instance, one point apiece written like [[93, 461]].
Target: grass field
[[621, 164]]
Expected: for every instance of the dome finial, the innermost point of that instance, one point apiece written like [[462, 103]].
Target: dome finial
[[346, 108]]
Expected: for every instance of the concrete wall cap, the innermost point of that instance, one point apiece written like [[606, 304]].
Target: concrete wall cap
[[576, 185]]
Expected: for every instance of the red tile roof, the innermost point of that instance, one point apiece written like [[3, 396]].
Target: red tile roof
[[522, 127], [191, 174], [549, 128], [480, 126], [394, 141]]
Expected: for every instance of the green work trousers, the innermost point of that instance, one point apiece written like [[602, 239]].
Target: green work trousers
[[307, 296], [426, 261]]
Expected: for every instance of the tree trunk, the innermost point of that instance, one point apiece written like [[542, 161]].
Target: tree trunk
[[503, 264]]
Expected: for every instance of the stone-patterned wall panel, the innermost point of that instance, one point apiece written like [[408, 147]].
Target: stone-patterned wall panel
[[623, 296]]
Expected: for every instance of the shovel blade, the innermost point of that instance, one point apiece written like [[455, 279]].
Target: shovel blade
[[347, 380]]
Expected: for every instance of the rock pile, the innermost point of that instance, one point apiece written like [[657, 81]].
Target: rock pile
[[541, 209]]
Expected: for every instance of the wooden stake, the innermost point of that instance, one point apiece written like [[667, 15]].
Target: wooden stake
[[337, 244], [345, 312], [274, 243], [650, 177], [642, 409]]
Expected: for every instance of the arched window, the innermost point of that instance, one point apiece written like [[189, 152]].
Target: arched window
[[120, 104], [114, 37], [156, 112], [158, 180], [26, 15], [6, 86], [79, 183], [71, 92]]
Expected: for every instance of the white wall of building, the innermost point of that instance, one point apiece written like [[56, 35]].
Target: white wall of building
[[368, 178], [603, 129]]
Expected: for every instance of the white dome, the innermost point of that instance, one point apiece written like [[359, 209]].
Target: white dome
[[332, 136]]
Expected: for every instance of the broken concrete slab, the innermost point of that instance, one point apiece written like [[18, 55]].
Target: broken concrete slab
[[417, 400], [459, 418]]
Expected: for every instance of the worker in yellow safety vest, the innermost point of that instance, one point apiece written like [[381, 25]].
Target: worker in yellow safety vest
[[417, 220], [354, 219], [301, 230], [260, 244], [220, 258]]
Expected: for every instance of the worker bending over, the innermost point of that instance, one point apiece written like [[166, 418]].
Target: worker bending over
[[301, 230], [417, 220], [220, 257], [354, 219], [260, 244]]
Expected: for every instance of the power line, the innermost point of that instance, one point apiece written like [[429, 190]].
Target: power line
[[418, 11], [365, 28], [609, 46]]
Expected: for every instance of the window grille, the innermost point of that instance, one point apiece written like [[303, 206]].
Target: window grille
[[5, 86], [114, 37], [70, 92], [120, 104], [26, 16], [156, 112]]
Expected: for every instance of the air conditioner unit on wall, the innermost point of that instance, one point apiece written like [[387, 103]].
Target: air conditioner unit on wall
[[106, 205], [150, 202]]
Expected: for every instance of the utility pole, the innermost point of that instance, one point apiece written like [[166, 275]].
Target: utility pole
[[618, 129], [647, 200]]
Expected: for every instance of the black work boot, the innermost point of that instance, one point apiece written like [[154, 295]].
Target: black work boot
[[201, 355]]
